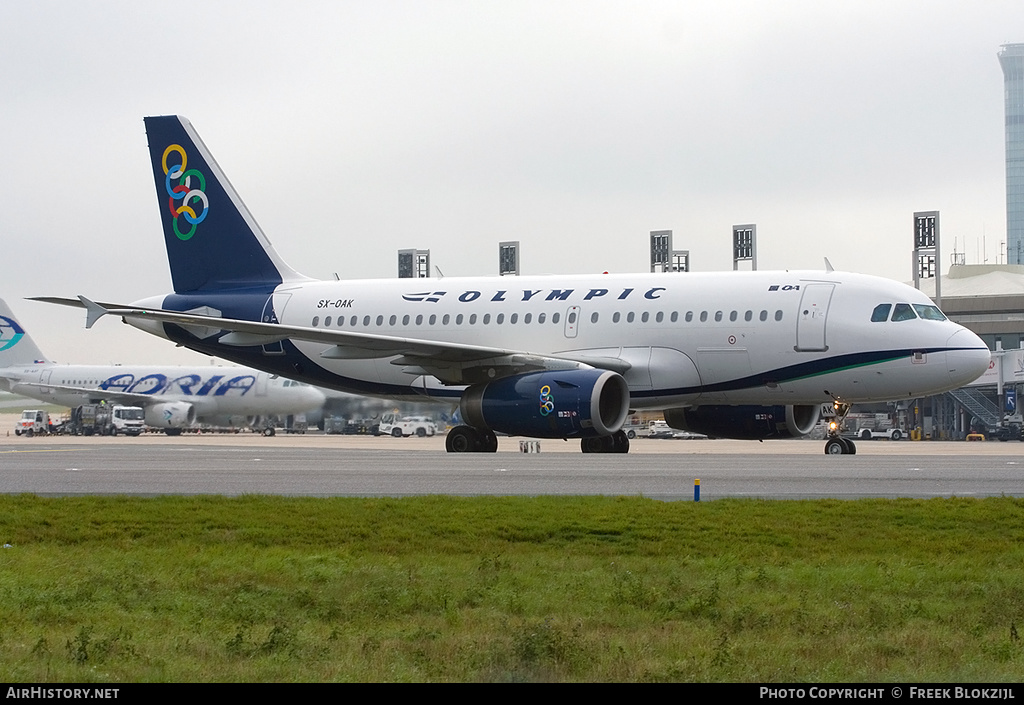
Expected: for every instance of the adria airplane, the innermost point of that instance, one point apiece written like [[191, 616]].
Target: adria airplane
[[738, 355], [172, 398]]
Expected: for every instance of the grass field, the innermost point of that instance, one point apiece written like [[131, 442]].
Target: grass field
[[510, 589]]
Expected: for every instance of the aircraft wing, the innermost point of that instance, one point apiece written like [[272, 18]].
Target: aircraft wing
[[452, 363]]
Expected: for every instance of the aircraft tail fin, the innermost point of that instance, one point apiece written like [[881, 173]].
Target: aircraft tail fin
[[16, 346], [213, 242]]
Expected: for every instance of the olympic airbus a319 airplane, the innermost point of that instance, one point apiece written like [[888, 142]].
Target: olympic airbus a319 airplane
[[749, 355]]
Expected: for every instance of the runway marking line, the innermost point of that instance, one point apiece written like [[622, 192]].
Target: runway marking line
[[48, 450]]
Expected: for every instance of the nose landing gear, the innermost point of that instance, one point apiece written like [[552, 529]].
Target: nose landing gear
[[835, 444]]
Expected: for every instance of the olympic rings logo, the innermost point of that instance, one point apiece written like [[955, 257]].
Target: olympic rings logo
[[178, 183], [547, 402]]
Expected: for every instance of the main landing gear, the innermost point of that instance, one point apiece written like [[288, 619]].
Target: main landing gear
[[835, 444], [615, 443], [466, 439]]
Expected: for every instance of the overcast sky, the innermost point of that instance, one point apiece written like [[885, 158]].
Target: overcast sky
[[354, 129]]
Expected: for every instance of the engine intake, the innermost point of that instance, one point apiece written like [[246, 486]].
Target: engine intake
[[171, 414], [745, 422], [565, 404]]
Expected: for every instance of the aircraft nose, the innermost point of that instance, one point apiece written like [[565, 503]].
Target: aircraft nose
[[967, 357]]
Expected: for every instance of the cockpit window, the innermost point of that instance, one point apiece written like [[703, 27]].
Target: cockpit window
[[929, 313], [903, 312], [881, 313]]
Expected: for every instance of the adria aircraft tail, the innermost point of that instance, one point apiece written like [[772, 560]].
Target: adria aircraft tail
[[16, 346], [213, 242]]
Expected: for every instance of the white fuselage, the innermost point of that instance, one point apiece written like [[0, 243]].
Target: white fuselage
[[687, 339], [215, 392]]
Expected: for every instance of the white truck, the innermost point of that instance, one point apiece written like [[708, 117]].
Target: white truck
[[33, 422], [104, 420], [394, 425]]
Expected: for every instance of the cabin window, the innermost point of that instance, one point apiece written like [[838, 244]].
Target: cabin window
[[675, 316], [929, 313], [366, 320], [514, 318], [778, 315], [718, 316], [689, 316], [445, 319], [316, 321], [555, 317], [458, 320], [527, 318], [630, 316], [881, 313], [327, 321], [660, 317], [615, 317], [393, 320], [764, 316], [903, 312], [419, 319], [748, 316], [541, 317], [593, 317], [432, 320], [472, 319], [703, 316], [380, 320], [487, 319], [405, 320], [733, 316], [499, 319]]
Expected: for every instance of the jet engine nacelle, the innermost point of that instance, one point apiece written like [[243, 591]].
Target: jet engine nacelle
[[755, 423], [171, 414], [561, 404]]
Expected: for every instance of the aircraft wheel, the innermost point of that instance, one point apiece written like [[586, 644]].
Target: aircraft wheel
[[620, 442], [593, 445], [851, 447], [462, 439], [835, 446]]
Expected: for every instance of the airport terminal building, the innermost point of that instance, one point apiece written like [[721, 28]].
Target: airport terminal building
[[989, 300]]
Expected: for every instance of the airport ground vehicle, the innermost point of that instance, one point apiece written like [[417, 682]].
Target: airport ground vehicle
[[105, 420], [867, 434], [33, 422], [395, 425]]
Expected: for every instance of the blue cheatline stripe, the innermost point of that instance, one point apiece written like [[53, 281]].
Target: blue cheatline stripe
[[803, 370]]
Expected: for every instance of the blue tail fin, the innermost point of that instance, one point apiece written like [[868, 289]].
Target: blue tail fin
[[213, 242]]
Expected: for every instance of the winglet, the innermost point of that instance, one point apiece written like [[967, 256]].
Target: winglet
[[93, 311], [828, 266]]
